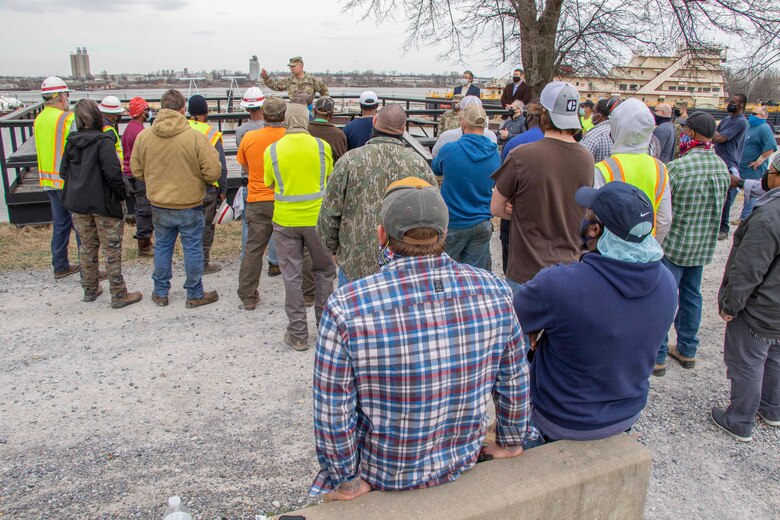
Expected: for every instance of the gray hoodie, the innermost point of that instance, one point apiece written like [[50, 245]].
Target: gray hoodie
[[631, 127]]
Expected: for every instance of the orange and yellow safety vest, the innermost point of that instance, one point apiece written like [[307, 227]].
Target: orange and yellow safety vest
[[213, 135], [641, 170], [51, 129]]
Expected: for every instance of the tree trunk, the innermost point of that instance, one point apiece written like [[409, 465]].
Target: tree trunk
[[537, 41]]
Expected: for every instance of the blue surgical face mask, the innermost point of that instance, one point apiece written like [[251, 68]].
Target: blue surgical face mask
[[755, 120], [385, 255], [582, 112]]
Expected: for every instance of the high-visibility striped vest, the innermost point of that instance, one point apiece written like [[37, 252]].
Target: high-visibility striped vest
[[51, 129], [313, 191], [212, 135], [641, 170], [109, 129]]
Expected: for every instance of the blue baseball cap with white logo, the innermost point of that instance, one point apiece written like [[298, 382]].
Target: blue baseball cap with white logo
[[624, 209]]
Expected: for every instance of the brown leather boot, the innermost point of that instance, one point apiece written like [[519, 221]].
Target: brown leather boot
[[145, 247], [208, 297], [128, 299]]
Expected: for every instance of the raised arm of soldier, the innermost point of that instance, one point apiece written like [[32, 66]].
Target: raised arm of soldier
[[272, 83]]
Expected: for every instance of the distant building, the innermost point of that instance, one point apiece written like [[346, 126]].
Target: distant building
[[693, 79], [254, 69], [79, 64]]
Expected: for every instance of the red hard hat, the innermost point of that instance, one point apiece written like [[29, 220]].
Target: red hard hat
[[137, 105]]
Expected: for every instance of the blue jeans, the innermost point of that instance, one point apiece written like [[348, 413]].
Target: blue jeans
[[60, 232], [688, 317], [724, 218], [272, 258], [747, 207], [342, 278], [471, 245], [189, 224], [244, 227]]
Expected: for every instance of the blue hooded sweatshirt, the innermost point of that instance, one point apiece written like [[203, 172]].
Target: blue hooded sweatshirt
[[603, 320], [467, 165]]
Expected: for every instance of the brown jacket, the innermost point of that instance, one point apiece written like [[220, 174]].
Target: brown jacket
[[523, 94], [175, 161], [332, 135]]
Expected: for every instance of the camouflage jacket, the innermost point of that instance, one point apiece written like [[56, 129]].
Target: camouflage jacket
[[449, 121], [309, 84], [353, 197]]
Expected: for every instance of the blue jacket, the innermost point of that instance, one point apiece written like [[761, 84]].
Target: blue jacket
[[467, 165], [603, 320]]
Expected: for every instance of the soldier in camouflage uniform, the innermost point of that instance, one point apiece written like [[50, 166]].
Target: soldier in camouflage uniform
[[349, 215], [299, 83], [450, 120]]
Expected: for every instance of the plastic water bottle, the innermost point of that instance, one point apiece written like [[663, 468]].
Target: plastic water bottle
[[176, 511]]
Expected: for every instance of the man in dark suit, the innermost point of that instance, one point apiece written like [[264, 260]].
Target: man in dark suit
[[466, 81], [518, 90]]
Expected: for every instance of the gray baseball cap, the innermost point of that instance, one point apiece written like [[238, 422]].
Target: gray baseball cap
[[562, 100], [412, 203]]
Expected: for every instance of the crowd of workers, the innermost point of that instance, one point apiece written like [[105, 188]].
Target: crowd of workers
[[610, 203]]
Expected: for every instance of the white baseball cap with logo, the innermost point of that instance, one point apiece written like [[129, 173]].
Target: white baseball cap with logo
[[369, 98], [562, 100]]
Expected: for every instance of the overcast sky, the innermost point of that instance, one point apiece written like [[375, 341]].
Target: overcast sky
[[124, 36]]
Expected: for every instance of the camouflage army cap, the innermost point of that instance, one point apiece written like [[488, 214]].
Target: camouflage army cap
[[274, 106], [412, 203], [324, 105], [294, 60]]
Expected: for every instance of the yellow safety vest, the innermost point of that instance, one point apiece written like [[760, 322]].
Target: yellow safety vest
[[108, 129], [51, 129], [212, 135], [641, 170], [298, 191]]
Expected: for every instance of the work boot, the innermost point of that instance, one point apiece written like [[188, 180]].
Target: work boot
[[128, 299], [102, 275], [685, 361], [73, 269], [91, 296], [208, 297], [273, 270], [296, 344], [145, 247], [659, 370], [211, 267], [160, 301], [723, 235]]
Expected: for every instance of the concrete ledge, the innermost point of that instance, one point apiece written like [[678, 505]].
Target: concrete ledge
[[605, 479]]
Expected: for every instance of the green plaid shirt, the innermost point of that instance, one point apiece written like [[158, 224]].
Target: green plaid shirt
[[698, 182]]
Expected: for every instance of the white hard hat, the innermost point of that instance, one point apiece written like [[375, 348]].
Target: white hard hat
[[52, 85], [111, 105], [224, 214], [253, 98], [369, 98]]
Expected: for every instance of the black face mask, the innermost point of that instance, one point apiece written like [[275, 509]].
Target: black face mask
[[660, 119], [731, 108], [516, 79], [510, 113], [765, 182]]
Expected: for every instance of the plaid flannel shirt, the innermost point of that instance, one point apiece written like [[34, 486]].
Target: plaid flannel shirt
[[698, 181], [598, 141], [405, 362]]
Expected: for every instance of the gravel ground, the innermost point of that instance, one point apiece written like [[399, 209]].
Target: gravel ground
[[106, 413]]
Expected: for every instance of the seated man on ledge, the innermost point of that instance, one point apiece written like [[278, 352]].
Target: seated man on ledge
[[406, 359], [600, 318]]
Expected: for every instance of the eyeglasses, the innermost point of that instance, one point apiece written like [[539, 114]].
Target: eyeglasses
[[757, 114]]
